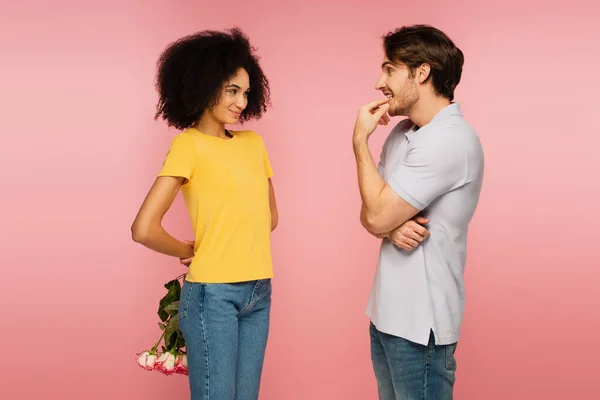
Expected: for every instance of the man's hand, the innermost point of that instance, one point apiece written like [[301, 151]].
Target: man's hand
[[369, 116], [410, 234], [187, 261]]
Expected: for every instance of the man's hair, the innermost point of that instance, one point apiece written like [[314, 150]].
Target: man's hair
[[423, 44]]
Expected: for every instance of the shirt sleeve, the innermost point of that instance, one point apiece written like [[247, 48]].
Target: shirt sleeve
[[431, 169], [180, 159], [381, 164]]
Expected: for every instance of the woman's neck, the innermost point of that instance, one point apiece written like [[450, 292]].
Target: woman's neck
[[210, 126]]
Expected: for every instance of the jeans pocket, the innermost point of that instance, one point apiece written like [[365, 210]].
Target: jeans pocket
[[185, 297], [450, 358]]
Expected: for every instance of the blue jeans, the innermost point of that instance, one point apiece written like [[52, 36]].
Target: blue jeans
[[225, 327], [410, 371]]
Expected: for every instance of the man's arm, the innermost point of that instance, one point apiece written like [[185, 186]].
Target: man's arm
[[382, 209], [436, 165], [363, 222], [381, 170]]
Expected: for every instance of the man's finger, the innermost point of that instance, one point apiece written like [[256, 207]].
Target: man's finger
[[406, 247], [381, 111], [421, 220], [416, 228], [374, 104], [417, 237], [402, 245], [422, 231], [412, 242]]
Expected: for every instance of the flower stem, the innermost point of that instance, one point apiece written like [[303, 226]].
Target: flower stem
[[157, 343]]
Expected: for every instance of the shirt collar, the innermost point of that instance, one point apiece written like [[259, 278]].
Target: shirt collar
[[449, 110]]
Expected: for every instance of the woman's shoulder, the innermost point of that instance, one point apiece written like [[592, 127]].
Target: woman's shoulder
[[182, 138], [247, 134]]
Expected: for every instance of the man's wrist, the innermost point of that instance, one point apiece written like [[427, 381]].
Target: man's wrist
[[359, 139]]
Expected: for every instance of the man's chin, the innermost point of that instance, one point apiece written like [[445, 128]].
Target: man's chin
[[394, 113], [398, 112]]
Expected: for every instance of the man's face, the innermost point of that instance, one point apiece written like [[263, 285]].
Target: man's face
[[397, 83]]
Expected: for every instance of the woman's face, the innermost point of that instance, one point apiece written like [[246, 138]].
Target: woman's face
[[233, 100]]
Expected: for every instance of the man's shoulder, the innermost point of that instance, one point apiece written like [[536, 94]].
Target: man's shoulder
[[454, 129]]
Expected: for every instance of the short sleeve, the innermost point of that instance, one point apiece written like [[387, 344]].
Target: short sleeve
[[268, 168], [431, 169], [180, 159], [381, 164]]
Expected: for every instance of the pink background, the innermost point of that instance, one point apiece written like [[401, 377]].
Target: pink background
[[80, 150]]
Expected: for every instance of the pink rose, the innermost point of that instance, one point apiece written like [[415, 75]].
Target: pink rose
[[147, 360], [181, 366], [166, 363]]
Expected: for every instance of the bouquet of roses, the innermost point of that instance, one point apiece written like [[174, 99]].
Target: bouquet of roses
[[172, 358]]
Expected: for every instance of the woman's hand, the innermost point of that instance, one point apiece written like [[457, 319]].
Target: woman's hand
[[187, 261]]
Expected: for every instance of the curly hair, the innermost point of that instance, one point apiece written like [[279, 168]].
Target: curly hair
[[192, 71]]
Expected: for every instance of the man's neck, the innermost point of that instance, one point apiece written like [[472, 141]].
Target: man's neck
[[426, 108]]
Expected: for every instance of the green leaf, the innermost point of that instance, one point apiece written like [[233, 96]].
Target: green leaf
[[162, 314], [173, 292], [168, 333], [171, 332], [172, 308], [172, 341], [161, 326], [180, 341], [174, 283]]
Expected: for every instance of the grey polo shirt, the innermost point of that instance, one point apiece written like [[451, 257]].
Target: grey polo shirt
[[438, 169]]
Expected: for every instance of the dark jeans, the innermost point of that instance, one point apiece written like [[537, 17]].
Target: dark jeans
[[410, 371]]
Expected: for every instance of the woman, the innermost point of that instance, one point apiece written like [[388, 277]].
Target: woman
[[205, 82]]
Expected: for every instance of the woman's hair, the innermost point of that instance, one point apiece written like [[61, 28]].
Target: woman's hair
[[193, 70]]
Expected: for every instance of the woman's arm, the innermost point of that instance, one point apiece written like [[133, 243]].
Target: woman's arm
[[273, 206], [147, 229]]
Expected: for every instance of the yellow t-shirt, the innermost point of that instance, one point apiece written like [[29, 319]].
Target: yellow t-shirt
[[226, 193]]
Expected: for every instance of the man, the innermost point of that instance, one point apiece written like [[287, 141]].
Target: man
[[431, 172]]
